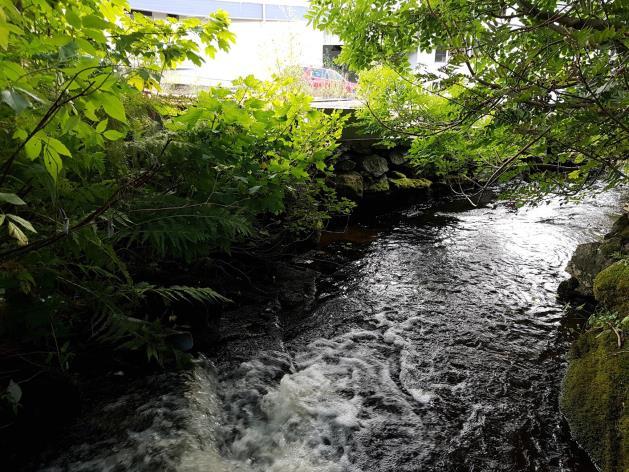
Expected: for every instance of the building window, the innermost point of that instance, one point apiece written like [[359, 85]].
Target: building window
[[441, 55], [175, 17]]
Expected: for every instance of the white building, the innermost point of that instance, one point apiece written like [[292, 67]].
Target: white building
[[271, 35]]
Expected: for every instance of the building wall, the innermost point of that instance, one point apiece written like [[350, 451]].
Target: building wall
[[261, 49], [271, 35]]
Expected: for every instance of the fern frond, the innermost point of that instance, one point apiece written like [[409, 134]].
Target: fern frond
[[183, 293], [185, 233]]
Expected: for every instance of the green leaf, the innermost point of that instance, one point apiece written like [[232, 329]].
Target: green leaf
[[113, 107], [33, 147], [22, 222], [73, 19], [59, 147], [93, 21], [113, 135], [52, 161], [71, 123], [20, 134], [90, 110], [4, 36], [11, 198], [102, 126]]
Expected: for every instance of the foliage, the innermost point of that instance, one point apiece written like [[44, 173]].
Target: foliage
[[101, 186], [543, 83]]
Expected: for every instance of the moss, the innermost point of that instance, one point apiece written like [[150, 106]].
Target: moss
[[398, 175], [410, 184], [593, 399], [350, 185], [381, 185], [611, 287]]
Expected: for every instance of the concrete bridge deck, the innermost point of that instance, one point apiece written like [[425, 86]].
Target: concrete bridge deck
[[336, 103]]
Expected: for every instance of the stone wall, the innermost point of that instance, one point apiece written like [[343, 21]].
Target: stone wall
[[363, 170]]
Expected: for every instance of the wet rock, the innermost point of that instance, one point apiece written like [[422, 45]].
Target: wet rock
[[567, 289], [594, 401], [586, 262], [591, 258], [296, 286], [379, 186], [375, 165], [350, 185]]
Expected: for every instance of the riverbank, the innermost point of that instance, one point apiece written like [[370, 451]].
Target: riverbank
[[595, 394]]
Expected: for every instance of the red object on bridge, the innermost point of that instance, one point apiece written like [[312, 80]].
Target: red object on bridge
[[327, 79]]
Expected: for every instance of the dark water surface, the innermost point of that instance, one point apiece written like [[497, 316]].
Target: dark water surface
[[439, 347]]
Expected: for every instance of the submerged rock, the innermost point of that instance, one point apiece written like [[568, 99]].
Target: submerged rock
[[595, 399], [350, 185]]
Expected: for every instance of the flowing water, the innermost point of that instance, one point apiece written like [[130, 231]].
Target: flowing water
[[438, 347]]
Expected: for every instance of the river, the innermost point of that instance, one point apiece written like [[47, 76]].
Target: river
[[438, 346]]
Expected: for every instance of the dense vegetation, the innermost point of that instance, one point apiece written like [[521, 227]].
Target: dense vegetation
[[109, 194], [534, 89]]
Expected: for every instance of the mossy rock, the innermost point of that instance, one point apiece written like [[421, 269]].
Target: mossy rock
[[398, 175], [350, 185], [594, 399], [379, 186], [410, 184], [611, 287]]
